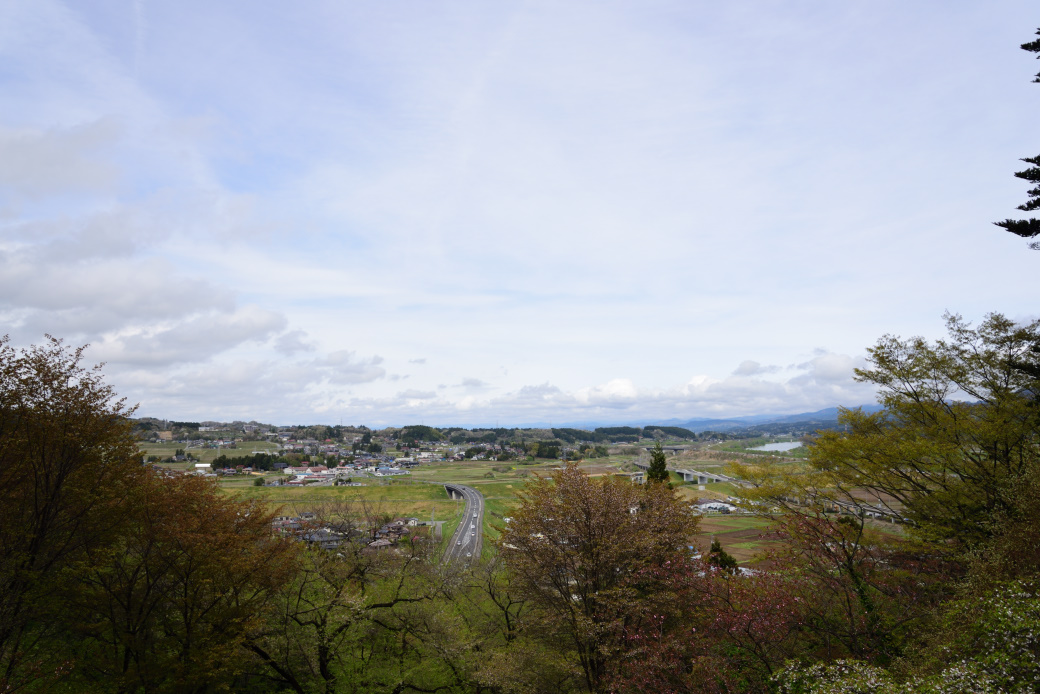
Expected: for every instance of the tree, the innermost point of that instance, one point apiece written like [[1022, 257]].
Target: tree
[[720, 558], [658, 470], [68, 462], [953, 452], [725, 632], [341, 622], [582, 550], [953, 457], [1028, 228], [167, 606]]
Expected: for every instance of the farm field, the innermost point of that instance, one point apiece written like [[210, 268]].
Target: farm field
[[422, 496], [745, 537], [206, 455], [394, 498]]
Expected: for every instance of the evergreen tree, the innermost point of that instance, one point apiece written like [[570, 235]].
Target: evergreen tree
[[721, 558], [658, 470], [1028, 228]]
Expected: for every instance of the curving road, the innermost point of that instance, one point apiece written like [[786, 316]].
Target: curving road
[[467, 541]]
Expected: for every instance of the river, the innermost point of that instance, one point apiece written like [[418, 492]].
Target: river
[[785, 446]]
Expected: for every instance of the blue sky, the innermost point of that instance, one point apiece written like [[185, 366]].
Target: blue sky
[[472, 212]]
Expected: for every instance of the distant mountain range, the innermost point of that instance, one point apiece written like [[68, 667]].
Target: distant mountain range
[[820, 419], [766, 423], [824, 417]]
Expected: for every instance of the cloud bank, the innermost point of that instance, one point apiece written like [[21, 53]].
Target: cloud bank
[[510, 211]]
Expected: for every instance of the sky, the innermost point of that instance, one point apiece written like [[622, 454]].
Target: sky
[[476, 213]]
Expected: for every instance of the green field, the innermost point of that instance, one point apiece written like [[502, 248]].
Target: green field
[[421, 494], [394, 498], [206, 455]]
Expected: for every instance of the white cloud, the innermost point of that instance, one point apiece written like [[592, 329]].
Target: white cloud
[[749, 367], [555, 194], [342, 367], [192, 340], [292, 342], [826, 368], [616, 393], [417, 395], [58, 161]]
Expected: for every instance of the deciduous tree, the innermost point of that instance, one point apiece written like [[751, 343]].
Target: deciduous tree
[[167, 605], [580, 548], [68, 462], [954, 449], [344, 622], [953, 457]]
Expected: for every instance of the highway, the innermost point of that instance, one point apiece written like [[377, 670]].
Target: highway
[[466, 543]]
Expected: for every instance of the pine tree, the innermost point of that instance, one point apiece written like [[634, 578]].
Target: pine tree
[[1028, 228], [721, 558], [658, 470]]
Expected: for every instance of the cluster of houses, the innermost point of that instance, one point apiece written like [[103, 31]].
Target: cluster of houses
[[311, 474], [714, 506], [331, 536]]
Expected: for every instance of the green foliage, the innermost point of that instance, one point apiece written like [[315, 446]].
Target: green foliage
[[998, 633], [417, 432], [658, 470], [675, 432], [589, 450], [549, 450], [136, 581], [356, 620], [68, 461], [619, 431], [257, 461], [720, 558], [167, 604], [952, 467], [575, 435]]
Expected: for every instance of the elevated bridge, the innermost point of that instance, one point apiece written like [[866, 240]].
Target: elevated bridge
[[698, 476]]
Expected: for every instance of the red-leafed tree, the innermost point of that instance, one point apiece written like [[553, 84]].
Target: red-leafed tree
[[584, 551], [725, 632]]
